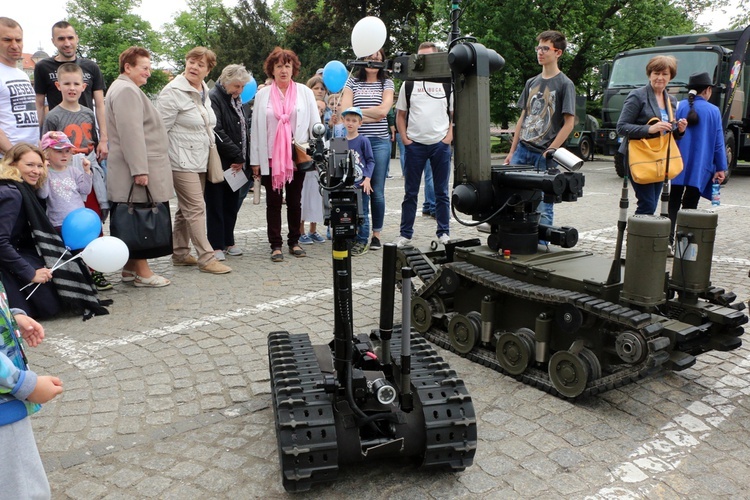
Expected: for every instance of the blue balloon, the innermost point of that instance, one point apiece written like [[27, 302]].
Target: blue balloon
[[80, 227], [249, 91], [334, 76]]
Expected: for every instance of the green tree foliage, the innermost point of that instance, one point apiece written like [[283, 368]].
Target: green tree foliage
[[320, 30], [246, 36], [106, 28], [596, 30], [197, 26]]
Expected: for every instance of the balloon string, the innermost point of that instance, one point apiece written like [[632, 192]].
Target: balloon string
[[338, 95], [56, 266]]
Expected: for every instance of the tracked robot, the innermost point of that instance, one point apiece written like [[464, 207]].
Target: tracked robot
[[362, 398], [568, 322]]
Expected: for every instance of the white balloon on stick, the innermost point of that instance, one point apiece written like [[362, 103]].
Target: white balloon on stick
[[368, 36], [106, 254]]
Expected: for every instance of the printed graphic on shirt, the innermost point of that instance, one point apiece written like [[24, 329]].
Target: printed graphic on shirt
[[22, 103], [64, 188], [541, 109]]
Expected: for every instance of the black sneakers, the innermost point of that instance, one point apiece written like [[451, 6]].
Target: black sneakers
[[375, 243]]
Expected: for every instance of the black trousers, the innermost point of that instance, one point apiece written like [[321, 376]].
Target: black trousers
[[222, 206]]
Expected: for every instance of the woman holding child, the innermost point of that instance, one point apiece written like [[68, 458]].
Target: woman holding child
[[283, 111], [30, 246]]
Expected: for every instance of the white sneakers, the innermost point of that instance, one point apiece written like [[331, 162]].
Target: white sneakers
[[401, 242]]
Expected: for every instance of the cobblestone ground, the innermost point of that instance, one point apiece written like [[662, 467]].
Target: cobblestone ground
[[168, 396]]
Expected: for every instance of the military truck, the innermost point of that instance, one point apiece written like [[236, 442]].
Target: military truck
[[581, 139], [723, 55]]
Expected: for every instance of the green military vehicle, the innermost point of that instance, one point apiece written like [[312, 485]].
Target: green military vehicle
[[723, 55]]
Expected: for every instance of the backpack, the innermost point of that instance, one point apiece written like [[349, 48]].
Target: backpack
[[409, 86]]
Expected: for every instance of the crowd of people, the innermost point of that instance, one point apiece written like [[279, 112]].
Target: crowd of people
[[64, 146]]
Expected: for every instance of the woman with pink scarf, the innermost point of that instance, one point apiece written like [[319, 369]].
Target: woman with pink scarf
[[283, 111]]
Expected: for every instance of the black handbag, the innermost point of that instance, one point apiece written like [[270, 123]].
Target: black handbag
[[142, 226]]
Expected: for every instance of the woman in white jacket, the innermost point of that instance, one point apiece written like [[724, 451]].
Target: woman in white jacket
[[188, 117], [283, 111]]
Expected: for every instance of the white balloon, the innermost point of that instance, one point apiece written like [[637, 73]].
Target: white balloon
[[368, 36], [106, 254]]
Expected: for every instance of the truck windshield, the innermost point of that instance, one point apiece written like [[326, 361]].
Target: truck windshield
[[630, 70]]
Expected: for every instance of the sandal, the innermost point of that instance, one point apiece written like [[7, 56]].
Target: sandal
[[277, 256], [154, 281], [128, 276], [297, 251]]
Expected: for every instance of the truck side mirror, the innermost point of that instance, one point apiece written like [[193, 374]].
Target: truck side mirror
[[604, 70]]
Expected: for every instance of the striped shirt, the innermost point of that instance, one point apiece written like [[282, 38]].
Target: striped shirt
[[370, 95]]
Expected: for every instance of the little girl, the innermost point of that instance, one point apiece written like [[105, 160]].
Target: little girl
[[69, 184]]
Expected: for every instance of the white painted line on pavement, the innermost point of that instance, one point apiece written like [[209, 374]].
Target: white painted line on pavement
[[81, 354], [676, 439]]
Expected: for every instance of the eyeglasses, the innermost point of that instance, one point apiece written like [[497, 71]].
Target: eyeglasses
[[544, 49]]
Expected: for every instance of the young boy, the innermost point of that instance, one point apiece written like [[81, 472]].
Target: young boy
[[79, 124], [364, 165], [548, 107], [21, 393]]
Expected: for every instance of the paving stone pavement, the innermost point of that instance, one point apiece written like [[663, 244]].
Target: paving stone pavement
[[169, 397]]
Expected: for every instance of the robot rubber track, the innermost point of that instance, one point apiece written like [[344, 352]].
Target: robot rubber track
[[432, 314], [305, 419]]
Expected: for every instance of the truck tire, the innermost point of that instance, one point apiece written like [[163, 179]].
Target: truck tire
[[731, 147], [586, 148], [620, 164]]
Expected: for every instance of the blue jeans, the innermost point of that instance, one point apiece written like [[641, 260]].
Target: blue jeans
[[417, 156], [381, 150], [363, 231], [648, 197], [401, 153], [525, 156], [429, 189]]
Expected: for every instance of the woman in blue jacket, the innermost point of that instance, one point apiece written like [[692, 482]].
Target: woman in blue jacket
[[702, 148]]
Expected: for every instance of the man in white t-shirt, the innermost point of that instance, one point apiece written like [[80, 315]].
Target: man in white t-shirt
[[423, 119], [18, 118]]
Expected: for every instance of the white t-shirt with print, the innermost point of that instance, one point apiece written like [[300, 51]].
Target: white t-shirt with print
[[18, 118]]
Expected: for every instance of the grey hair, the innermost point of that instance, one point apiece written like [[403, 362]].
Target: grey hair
[[234, 73]]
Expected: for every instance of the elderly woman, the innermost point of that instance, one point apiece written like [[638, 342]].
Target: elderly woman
[[372, 92], [223, 204], [283, 111], [642, 104], [30, 247], [189, 119], [138, 154]]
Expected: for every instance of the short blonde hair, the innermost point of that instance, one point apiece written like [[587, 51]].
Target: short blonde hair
[[9, 164], [200, 53]]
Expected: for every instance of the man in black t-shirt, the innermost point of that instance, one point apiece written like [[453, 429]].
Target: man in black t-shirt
[[45, 78]]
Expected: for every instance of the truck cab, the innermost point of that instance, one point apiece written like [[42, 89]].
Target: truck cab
[[709, 52]]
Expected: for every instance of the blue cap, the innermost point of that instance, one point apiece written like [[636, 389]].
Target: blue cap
[[354, 109]]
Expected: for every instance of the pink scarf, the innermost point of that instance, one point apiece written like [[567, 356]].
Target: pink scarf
[[282, 166]]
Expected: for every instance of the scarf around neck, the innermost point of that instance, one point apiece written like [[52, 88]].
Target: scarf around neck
[[282, 166], [72, 281]]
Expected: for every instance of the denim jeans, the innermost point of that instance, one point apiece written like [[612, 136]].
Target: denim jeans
[[417, 156], [647, 196], [429, 188], [381, 150], [363, 231], [525, 156], [401, 153]]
